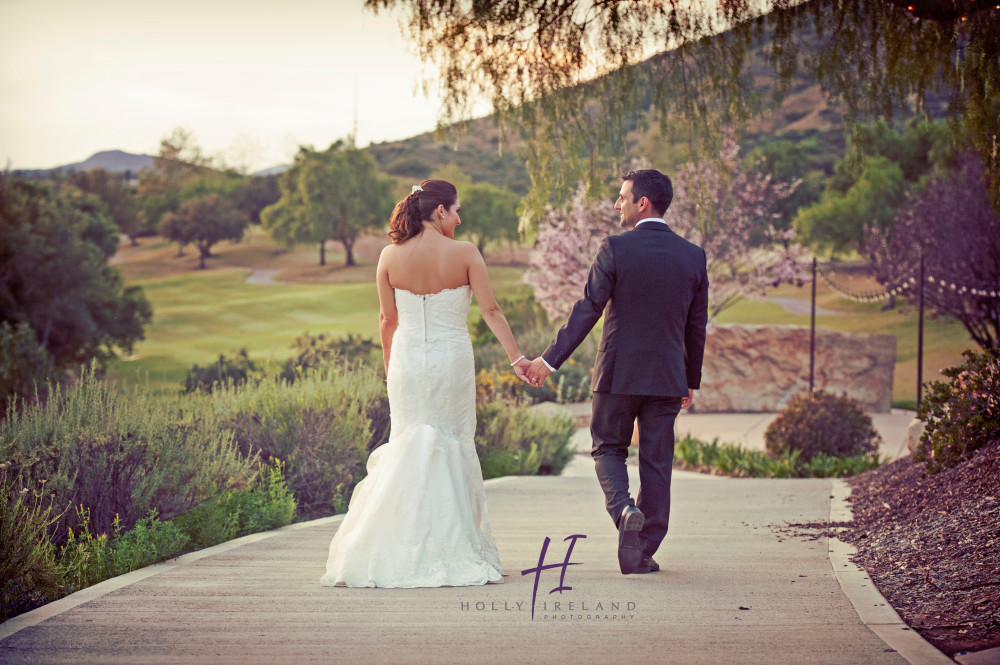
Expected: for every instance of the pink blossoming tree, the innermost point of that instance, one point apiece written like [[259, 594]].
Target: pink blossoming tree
[[728, 210]]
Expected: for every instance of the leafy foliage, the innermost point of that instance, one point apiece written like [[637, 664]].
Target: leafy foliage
[[25, 367], [731, 212], [961, 415], [117, 195], [514, 441], [330, 195], [227, 371], [29, 572], [952, 225], [732, 460], [318, 427], [204, 220], [567, 242], [530, 59], [489, 214], [319, 353], [119, 454], [822, 423], [54, 252]]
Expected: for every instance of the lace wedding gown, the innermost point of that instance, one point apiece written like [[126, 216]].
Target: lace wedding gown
[[419, 517]]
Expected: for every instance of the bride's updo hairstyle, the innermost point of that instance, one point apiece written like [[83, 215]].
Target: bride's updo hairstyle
[[408, 217]]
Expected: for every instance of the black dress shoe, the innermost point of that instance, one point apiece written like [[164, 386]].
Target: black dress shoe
[[647, 565], [629, 547]]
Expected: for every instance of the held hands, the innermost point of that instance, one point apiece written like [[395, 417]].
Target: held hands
[[521, 366], [533, 373], [538, 372]]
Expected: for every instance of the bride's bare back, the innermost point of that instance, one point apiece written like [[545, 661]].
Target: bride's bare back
[[428, 263]]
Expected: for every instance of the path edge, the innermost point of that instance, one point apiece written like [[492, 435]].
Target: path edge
[[869, 603]]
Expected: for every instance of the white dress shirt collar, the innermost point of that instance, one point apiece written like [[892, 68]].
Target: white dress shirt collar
[[651, 219]]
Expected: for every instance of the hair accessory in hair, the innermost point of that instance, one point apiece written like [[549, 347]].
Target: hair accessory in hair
[[416, 188]]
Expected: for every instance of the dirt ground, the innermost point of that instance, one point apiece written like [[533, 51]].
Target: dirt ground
[[932, 546]]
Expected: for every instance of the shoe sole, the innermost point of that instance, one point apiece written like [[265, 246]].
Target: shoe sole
[[629, 549]]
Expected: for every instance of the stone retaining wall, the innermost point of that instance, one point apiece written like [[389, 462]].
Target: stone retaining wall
[[758, 368]]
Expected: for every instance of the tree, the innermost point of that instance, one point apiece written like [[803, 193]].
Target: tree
[[117, 195], [567, 242], [530, 57], [329, 195], [951, 223], [161, 188], [256, 193], [204, 220], [55, 277], [730, 211], [488, 213], [839, 220]]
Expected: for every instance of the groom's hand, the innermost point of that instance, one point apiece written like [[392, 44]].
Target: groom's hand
[[686, 401], [538, 372], [521, 369]]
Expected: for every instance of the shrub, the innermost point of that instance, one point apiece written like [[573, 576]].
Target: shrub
[[121, 455], [88, 558], [963, 414], [235, 371], [29, 572], [25, 367], [730, 459], [822, 423], [317, 353], [318, 426], [267, 504], [514, 441]]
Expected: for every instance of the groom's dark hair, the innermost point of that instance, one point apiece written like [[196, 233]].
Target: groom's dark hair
[[653, 185]]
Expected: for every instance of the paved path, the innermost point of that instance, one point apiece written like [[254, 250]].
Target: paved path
[[735, 588]]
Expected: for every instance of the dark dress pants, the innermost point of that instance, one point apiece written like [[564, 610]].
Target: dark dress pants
[[611, 428]]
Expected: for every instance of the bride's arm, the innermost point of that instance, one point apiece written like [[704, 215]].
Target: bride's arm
[[388, 317], [488, 307]]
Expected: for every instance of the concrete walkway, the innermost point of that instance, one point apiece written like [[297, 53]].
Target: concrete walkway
[[737, 586]]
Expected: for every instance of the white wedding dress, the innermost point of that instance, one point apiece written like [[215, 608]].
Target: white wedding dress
[[419, 517]]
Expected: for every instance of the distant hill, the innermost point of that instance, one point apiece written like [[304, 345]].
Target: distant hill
[[116, 161]]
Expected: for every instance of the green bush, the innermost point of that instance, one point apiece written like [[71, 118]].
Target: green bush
[[515, 441], [732, 460], [88, 558], [822, 423], [318, 353], [318, 426], [963, 414], [25, 367], [267, 504], [233, 371], [121, 455], [29, 572]]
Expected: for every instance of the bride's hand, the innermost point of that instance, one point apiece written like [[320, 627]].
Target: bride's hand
[[521, 368]]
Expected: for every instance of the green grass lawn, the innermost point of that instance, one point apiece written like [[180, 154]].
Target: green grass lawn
[[198, 315]]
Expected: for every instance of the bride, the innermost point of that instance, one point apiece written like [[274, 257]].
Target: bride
[[419, 517]]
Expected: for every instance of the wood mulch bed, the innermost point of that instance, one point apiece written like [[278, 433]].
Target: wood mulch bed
[[931, 544]]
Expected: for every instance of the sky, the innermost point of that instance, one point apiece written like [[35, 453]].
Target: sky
[[251, 80]]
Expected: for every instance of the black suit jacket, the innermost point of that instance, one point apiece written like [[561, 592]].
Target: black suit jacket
[[655, 286]]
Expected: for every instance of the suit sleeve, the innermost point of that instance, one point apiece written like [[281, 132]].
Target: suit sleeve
[[694, 331], [588, 310]]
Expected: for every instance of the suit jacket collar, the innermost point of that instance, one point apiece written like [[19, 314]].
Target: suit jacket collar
[[653, 226]]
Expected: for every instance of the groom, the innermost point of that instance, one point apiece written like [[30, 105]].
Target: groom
[[654, 286]]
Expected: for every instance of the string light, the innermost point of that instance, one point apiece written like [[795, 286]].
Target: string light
[[909, 284]]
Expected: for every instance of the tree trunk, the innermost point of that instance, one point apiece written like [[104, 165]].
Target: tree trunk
[[348, 250], [180, 249], [204, 251], [322, 252]]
